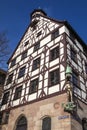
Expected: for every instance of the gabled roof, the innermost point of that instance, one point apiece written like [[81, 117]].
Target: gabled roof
[[66, 23]]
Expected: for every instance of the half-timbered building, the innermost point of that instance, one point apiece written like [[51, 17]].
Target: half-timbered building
[[46, 83]]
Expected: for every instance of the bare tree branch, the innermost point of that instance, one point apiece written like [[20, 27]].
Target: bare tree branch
[[4, 50]]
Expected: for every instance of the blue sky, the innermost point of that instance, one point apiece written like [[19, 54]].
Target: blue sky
[[15, 16]]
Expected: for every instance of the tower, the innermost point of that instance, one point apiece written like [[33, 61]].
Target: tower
[[35, 91]]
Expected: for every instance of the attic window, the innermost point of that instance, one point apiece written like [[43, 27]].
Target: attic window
[[39, 33], [26, 43], [34, 24]]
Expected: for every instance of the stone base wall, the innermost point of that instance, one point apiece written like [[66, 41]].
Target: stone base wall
[[35, 112]]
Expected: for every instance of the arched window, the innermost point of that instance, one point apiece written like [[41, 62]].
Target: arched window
[[22, 124], [84, 123], [46, 123]]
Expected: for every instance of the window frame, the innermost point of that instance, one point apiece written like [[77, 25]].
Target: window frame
[[55, 34], [36, 46], [26, 43], [73, 54], [5, 98], [46, 123], [52, 52], [24, 55], [13, 62], [9, 79], [86, 68], [36, 64], [18, 92], [34, 83], [75, 79], [51, 74], [21, 72]]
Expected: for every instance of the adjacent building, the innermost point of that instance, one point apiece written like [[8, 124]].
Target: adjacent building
[[46, 83], [2, 80]]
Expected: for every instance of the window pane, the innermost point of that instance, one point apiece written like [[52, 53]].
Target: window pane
[[75, 79], [33, 86], [22, 124], [9, 80], [54, 77], [55, 35], [18, 93], [54, 53], [5, 98], [13, 62], [73, 55], [46, 124], [24, 55], [21, 72], [36, 46], [36, 64]]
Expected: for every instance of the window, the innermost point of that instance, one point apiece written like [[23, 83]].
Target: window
[[2, 78], [86, 68], [84, 123], [36, 64], [5, 117], [9, 80], [38, 34], [21, 72], [55, 35], [1, 116], [33, 86], [24, 55], [75, 79], [13, 62], [5, 98], [73, 55], [18, 93], [36, 46], [26, 43], [46, 123], [54, 53], [54, 77], [22, 124]]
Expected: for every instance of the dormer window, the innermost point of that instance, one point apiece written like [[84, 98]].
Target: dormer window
[[39, 33], [26, 43]]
